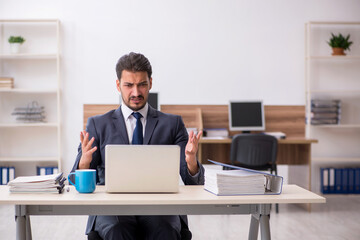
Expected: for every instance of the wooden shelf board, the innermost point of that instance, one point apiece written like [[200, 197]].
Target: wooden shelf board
[[6, 125], [29, 56], [27, 90], [334, 159], [337, 126], [335, 57], [28, 20], [29, 159], [335, 91], [333, 23]]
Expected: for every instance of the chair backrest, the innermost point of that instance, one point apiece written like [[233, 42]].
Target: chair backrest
[[253, 150]]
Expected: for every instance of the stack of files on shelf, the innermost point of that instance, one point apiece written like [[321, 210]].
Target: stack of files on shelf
[[340, 180], [6, 82], [241, 181], [6, 174], [38, 184], [216, 133], [32, 113], [41, 171], [325, 111]]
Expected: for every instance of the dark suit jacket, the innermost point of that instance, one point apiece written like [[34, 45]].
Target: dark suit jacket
[[161, 129]]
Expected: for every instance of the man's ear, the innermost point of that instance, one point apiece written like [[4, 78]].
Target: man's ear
[[118, 85]]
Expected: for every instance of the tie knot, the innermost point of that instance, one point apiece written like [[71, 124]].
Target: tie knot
[[137, 115]]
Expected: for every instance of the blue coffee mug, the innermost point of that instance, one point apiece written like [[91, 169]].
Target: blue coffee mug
[[85, 180]]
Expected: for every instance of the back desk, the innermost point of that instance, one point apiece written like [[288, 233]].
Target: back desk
[[294, 151]]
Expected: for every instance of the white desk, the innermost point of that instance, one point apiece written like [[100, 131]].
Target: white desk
[[191, 200]]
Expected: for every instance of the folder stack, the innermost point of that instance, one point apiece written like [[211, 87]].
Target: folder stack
[[325, 111], [38, 184], [241, 181], [340, 180]]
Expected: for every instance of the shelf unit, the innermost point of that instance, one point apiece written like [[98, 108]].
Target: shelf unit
[[36, 74], [333, 77]]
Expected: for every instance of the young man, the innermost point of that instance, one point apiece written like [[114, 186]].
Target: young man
[[136, 122]]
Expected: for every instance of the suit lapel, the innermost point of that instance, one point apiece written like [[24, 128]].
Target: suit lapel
[[120, 126], [151, 121]]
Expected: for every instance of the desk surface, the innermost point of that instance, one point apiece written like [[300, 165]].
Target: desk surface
[[191, 195], [280, 141]]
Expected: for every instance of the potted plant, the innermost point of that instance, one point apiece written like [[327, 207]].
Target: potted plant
[[339, 44], [15, 42]]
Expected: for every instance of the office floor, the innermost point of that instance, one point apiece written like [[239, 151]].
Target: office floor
[[338, 219]]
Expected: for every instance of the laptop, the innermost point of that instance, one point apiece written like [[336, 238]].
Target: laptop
[[142, 168]]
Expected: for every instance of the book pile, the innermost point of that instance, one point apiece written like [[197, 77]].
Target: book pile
[[6, 82], [38, 184], [325, 111], [216, 133], [234, 182], [32, 113]]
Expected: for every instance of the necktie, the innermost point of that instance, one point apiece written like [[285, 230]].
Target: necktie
[[138, 131]]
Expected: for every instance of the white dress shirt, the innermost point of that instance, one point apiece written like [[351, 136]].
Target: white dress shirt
[[130, 120]]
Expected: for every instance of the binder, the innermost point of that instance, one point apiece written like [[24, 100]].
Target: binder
[[351, 180], [345, 181], [11, 173], [331, 180], [273, 185], [1, 176], [48, 170], [325, 178], [338, 180], [5, 175], [357, 180]]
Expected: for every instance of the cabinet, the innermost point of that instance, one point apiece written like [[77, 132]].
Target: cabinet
[[333, 78], [36, 73]]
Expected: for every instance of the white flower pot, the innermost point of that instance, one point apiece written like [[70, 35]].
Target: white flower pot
[[15, 47]]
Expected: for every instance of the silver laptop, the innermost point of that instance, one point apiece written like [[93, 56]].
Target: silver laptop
[[142, 168]]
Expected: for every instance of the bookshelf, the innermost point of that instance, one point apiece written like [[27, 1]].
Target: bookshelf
[[334, 78], [36, 74]]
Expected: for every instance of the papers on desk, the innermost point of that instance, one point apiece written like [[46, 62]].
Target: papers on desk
[[234, 182], [53, 183], [241, 181]]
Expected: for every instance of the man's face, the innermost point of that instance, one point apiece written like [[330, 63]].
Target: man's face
[[134, 88]]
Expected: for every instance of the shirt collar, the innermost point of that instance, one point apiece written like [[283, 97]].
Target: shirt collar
[[126, 111]]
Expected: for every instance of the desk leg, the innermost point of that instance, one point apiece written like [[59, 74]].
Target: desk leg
[[23, 227], [254, 227], [262, 217]]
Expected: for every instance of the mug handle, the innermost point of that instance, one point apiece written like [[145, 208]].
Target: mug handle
[[69, 178]]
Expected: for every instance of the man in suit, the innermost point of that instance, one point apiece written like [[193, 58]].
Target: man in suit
[[136, 122]]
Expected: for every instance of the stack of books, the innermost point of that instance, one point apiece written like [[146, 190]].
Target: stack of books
[[6, 82], [32, 113], [240, 181], [38, 184], [325, 111]]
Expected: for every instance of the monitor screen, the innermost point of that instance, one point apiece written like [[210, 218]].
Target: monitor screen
[[153, 100], [246, 116]]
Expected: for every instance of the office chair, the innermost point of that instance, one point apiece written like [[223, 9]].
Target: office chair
[[184, 232], [254, 151]]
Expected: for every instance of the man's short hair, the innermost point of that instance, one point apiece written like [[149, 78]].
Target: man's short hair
[[133, 62]]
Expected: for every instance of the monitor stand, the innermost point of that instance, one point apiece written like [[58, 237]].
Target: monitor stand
[[245, 132]]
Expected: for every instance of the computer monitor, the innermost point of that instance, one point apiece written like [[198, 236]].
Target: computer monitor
[[153, 100], [246, 116]]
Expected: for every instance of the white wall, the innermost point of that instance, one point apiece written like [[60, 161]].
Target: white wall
[[203, 52]]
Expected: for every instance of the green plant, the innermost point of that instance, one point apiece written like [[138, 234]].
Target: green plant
[[340, 41], [16, 39]]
